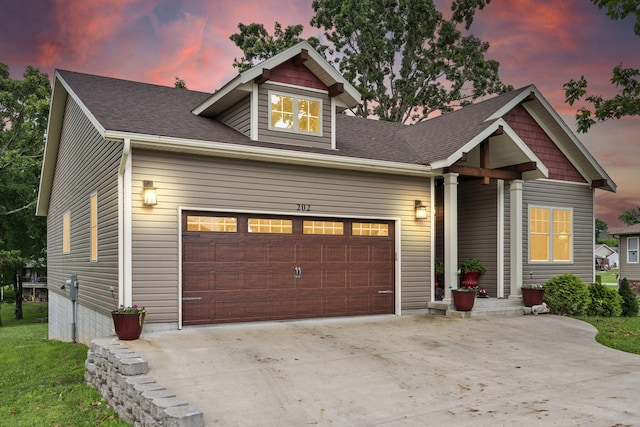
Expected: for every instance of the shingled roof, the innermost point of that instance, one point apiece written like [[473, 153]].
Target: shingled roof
[[141, 108]]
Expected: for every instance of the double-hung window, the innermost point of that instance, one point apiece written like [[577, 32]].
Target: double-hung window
[[295, 113], [632, 250], [550, 235], [94, 226]]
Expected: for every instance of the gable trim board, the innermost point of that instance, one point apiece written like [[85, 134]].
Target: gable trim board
[[208, 153]]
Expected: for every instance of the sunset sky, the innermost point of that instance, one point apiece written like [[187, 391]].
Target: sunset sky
[[544, 42]]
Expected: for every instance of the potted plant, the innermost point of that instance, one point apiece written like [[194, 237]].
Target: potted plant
[[127, 321], [470, 269], [532, 294], [464, 298]]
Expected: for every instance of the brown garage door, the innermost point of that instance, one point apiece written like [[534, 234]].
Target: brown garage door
[[239, 268]]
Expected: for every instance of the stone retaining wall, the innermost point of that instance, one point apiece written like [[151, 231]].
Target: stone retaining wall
[[119, 374]]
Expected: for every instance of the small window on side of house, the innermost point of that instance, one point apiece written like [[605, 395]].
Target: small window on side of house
[[94, 226], [550, 235], [632, 250], [66, 232]]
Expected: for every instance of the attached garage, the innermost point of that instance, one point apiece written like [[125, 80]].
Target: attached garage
[[246, 267]]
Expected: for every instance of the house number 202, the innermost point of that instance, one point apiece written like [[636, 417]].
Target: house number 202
[[303, 208]]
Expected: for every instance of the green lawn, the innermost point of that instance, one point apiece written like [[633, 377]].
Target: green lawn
[[621, 333], [42, 381], [608, 276]]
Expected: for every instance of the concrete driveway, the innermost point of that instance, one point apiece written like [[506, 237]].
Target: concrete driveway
[[412, 370]]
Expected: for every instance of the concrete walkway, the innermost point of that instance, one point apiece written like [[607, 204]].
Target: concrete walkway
[[412, 370]]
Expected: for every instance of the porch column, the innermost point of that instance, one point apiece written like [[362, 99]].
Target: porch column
[[515, 193], [450, 235]]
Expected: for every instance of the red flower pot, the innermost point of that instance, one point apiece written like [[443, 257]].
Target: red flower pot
[[128, 325], [463, 300], [531, 297], [470, 279]]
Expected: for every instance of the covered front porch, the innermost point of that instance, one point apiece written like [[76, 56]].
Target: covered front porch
[[479, 214]]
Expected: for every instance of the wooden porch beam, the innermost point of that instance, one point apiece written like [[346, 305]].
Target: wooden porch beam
[[266, 75], [484, 172], [484, 160], [521, 167]]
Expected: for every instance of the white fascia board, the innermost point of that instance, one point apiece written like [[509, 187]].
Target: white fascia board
[[484, 135], [574, 139], [221, 149], [51, 146], [255, 71], [61, 92], [83, 107], [219, 94], [513, 103]]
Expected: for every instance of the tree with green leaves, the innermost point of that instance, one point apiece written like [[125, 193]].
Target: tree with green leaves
[[179, 83], [626, 80], [403, 56], [24, 109], [630, 216], [257, 44]]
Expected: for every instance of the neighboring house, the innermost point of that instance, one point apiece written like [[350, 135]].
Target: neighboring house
[[271, 204], [34, 285], [629, 251], [605, 256]]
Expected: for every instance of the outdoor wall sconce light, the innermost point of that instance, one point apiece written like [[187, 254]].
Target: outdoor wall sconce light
[[149, 193], [421, 210]]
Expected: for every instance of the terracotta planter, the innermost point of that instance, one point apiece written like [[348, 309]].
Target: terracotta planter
[[128, 326], [470, 279], [463, 301], [531, 297]]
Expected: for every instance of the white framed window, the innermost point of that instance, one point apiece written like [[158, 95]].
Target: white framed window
[[295, 113], [66, 232], [550, 234], [94, 226], [632, 250]]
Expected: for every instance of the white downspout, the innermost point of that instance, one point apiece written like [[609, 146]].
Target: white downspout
[[124, 226]]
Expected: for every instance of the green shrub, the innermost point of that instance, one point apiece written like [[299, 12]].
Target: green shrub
[[566, 295], [605, 301], [629, 300]]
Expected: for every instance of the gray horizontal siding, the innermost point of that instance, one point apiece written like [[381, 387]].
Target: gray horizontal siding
[[563, 195], [86, 164], [630, 271], [227, 184], [477, 228], [283, 137], [238, 117]]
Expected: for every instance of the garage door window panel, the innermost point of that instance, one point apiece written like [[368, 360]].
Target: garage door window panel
[[332, 228], [212, 224], [270, 226], [369, 229]]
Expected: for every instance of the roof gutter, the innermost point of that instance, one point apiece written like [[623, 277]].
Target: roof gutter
[[264, 154]]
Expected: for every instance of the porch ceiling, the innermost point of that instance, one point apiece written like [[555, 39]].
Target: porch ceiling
[[505, 153]]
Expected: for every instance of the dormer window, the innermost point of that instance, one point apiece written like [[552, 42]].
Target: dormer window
[[295, 113]]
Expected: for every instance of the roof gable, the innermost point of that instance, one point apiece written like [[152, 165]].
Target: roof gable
[[241, 85]]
